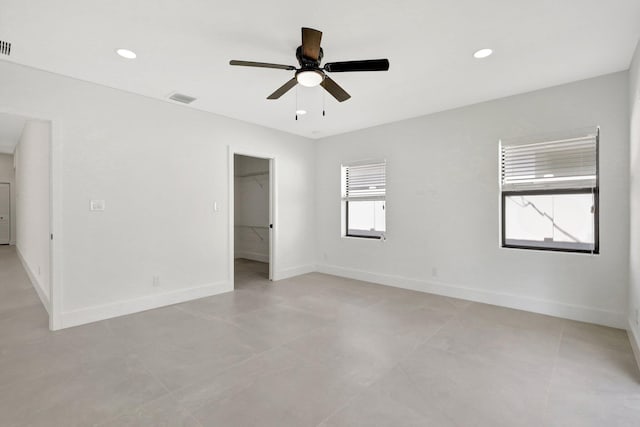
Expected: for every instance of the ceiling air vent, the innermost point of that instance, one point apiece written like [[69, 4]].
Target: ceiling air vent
[[5, 48], [185, 99]]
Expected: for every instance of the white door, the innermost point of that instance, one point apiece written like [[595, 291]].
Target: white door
[[5, 209]]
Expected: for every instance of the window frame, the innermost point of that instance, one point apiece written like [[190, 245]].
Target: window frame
[[362, 236], [596, 218], [595, 190]]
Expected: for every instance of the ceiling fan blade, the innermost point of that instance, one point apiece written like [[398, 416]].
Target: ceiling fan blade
[[262, 65], [283, 89], [311, 43], [367, 65], [334, 89]]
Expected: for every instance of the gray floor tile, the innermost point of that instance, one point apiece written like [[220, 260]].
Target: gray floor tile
[[211, 389], [531, 351], [302, 395], [310, 350], [80, 396], [231, 304], [447, 386], [279, 324], [163, 412]]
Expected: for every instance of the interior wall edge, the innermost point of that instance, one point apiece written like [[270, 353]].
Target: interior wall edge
[[551, 308], [633, 292]]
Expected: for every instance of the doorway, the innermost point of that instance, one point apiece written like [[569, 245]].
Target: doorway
[[25, 209], [5, 213], [252, 231]]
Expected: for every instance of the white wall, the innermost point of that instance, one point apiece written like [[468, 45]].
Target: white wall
[[251, 208], [159, 167], [634, 290], [32, 204], [7, 174], [443, 199]]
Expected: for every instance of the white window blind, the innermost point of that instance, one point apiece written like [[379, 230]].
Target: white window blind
[[365, 182], [569, 163]]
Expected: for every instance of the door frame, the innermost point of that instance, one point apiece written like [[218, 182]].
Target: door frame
[[273, 209], [55, 215], [11, 207]]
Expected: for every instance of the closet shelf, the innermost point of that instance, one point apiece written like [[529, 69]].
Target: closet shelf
[[247, 175]]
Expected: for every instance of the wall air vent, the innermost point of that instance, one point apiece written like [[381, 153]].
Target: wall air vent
[[5, 48], [179, 97]]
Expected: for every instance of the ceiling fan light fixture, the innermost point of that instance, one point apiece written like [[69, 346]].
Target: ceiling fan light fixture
[[309, 78]]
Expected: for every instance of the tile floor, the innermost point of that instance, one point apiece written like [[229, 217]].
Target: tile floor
[[314, 350]]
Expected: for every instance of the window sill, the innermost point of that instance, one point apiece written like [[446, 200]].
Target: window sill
[[560, 251], [373, 239]]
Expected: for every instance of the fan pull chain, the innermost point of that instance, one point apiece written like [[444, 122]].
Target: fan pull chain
[[296, 102], [323, 97]]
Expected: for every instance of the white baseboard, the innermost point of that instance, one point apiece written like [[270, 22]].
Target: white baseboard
[[551, 308], [293, 271], [148, 302], [634, 338], [35, 282], [254, 256]]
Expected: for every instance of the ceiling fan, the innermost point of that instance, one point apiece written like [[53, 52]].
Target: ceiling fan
[[310, 73]]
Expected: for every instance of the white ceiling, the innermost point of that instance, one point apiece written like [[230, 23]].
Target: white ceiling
[[10, 131], [185, 46]]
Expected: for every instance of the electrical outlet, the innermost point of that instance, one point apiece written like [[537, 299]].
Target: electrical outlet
[[156, 281], [38, 270], [434, 272]]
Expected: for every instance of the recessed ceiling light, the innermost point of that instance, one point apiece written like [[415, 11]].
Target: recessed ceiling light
[[301, 112], [482, 53], [126, 53]]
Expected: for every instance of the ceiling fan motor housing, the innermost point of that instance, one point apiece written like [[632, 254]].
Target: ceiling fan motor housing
[[307, 63]]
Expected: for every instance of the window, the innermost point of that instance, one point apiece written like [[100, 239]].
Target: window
[[550, 194], [363, 197]]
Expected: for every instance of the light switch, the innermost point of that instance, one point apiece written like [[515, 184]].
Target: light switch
[[97, 205], [215, 206]]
